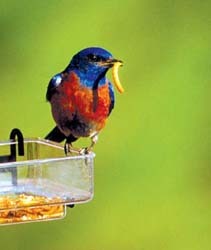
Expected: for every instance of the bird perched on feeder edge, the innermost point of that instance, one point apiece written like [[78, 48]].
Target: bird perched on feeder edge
[[82, 98]]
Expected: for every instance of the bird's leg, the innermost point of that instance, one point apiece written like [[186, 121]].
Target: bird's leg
[[94, 139], [68, 148]]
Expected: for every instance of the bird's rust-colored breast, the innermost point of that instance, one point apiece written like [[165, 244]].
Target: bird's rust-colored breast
[[90, 105]]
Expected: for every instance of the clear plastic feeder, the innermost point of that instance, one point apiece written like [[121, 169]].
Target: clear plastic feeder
[[39, 184]]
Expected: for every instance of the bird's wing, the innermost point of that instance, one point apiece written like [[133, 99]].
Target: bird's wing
[[112, 98], [52, 86]]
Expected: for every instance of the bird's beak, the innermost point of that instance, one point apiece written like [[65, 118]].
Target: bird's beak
[[115, 64], [111, 62]]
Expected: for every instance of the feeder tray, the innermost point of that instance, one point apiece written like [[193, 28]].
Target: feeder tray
[[38, 181]]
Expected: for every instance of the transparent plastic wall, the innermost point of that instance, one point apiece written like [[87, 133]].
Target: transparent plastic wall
[[38, 185]]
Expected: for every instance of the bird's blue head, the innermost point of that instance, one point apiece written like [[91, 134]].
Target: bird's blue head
[[91, 64]]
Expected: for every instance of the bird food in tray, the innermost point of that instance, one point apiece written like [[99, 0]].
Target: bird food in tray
[[38, 184], [29, 211]]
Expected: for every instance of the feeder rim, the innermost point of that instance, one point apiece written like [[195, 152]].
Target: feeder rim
[[90, 155]]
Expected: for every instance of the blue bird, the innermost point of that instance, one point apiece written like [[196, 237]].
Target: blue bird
[[81, 96]]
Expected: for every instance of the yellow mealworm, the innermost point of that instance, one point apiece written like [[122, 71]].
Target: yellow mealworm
[[116, 77]]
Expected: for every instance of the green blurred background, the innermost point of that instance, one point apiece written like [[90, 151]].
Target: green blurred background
[[152, 169]]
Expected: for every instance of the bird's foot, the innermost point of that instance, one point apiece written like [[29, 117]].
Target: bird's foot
[[84, 151], [68, 147], [94, 140]]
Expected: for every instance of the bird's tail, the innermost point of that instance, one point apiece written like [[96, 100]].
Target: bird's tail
[[55, 135]]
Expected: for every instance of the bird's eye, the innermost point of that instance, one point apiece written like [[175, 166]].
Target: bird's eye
[[93, 58]]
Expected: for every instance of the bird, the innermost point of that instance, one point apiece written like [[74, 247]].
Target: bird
[[82, 97]]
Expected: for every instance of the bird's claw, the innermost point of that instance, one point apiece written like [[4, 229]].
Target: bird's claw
[[68, 147], [84, 151]]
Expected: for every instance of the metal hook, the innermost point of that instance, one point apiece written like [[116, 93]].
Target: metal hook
[[12, 157], [16, 133]]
